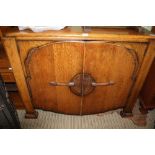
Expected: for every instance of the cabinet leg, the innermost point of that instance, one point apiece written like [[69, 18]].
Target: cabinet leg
[[126, 114], [14, 58], [33, 115]]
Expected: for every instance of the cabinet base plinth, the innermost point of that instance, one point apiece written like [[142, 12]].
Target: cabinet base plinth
[[125, 114], [31, 115]]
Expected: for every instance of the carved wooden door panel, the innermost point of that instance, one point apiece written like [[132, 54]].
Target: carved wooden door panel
[[81, 77], [113, 68], [50, 65]]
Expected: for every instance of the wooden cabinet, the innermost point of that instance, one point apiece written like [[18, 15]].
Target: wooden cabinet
[[73, 71]]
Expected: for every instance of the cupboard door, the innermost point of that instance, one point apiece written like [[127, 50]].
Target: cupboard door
[[54, 62], [113, 68]]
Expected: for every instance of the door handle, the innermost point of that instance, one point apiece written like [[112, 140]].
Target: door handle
[[94, 84], [53, 83]]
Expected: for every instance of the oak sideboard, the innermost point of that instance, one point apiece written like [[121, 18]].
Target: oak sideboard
[[80, 70]]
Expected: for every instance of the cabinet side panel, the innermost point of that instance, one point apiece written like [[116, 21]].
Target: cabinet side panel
[[144, 69]]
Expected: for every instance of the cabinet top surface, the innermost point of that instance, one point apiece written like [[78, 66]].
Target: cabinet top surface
[[84, 33]]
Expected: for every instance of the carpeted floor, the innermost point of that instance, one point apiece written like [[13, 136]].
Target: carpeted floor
[[108, 120]]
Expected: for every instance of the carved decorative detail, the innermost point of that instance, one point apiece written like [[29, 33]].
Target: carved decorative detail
[[131, 51], [135, 58], [88, 89], [82, 84]]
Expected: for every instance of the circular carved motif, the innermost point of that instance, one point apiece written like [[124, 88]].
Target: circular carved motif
[[82, 84]]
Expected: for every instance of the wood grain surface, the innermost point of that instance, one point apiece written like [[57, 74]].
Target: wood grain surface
[[54, 62], [108, 62], [61, 61], [130, 34]]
